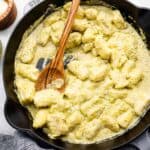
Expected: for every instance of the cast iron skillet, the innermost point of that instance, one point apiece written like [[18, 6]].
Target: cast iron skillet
[[18, 117]]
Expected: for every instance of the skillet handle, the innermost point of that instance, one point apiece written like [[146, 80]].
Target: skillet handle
[[13, 110], [30, 5], [142, 142], [143, 19]]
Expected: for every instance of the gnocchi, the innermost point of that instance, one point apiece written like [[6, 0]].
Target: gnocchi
[[107, 75], [40, 118], [26, 90]]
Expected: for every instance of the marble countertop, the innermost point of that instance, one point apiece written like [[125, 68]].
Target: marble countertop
[[4, 36]]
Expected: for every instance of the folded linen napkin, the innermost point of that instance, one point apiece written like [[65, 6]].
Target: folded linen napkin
[[18, 141]]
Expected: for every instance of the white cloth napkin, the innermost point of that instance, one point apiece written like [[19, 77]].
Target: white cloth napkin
[[18, 141]]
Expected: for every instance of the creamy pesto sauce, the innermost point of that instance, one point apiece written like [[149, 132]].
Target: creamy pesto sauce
[[107, 80]]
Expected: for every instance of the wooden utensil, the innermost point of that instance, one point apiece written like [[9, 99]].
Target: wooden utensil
[[55, 69]]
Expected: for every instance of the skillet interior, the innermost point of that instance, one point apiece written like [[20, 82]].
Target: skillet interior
[[18, 117]]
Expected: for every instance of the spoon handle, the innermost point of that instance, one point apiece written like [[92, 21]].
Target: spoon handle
[[55, 69], [67, 29]]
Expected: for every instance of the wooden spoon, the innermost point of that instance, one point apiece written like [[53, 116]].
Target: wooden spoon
[[54, 71]]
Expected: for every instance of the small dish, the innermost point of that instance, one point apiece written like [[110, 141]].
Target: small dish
[[9, 15]]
